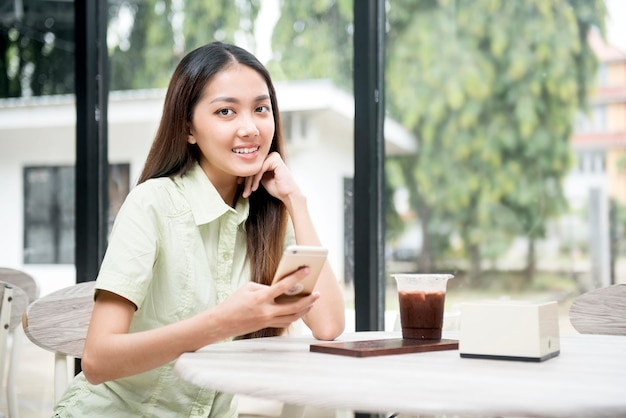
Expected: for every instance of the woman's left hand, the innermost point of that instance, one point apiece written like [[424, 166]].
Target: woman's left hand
[[275, 177]]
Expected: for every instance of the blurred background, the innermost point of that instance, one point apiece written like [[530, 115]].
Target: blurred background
[[505, 133]]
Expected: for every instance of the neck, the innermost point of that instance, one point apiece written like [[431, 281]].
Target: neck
[[235, 196]]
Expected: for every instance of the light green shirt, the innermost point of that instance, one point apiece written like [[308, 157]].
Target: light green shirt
[[176, 250]]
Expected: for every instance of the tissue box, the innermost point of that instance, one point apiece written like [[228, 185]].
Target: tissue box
[[509, 330]]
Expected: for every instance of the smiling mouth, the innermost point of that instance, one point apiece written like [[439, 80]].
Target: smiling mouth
[[245, 150]]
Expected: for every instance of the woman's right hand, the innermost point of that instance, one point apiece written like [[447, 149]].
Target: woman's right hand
[[253, 306], [112, 352]]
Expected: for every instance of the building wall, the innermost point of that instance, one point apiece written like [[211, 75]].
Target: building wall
[[320, 167], [616, 124], [616, 117], [320, 153], [616, 73], [52, 146]]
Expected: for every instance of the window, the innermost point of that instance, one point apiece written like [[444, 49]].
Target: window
[[49, 210], [296, 127], [594, 122], [591, 162], [602, 75]]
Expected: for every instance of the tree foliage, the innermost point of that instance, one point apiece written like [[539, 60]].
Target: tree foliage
[[146, 40], [163, 31], [490, 88], [313, 39], [36, 48]]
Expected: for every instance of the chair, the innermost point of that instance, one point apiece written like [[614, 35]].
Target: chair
[[600, 311], [14, 301], [5, 320], [30, 286], [58, 323], [23, 280]]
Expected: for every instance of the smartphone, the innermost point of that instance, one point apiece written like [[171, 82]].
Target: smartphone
[[295, 257]]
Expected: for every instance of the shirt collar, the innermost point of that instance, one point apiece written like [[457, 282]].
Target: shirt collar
[[204, 200]]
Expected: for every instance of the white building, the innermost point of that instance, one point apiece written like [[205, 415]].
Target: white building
[[38, 134]]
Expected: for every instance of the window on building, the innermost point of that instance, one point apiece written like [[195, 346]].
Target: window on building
[[591, 162], [602, 75], [49, 210], [594, 122], [295, 127]]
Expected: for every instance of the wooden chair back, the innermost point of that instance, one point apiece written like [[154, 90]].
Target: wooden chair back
[[23, 280], [15, 305], [58, 323], [13, 302], [600, 311], [30, 287]]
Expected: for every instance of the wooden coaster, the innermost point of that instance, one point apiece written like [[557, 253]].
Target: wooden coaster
[[371, 348]]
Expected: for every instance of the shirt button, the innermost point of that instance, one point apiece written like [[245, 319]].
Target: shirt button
[[227, 256]]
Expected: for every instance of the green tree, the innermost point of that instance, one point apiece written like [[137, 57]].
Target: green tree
[[313, 39], [163, 31], [232, 20], [147, 38], [144, 57], [491, 88], [36, 48]]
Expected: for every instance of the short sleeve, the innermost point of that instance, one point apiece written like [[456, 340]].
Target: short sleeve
[[127, 268]]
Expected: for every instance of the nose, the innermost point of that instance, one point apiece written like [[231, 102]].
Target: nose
[[248, 128]]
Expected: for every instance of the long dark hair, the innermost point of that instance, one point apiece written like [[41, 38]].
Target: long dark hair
[[171, 154]]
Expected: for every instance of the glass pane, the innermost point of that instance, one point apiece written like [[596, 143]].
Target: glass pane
[[516, 188], [37, 131], [306, 46], [36, 48], [49, 217], [39, 248], [38, 193], [39, 199], [66, 214]]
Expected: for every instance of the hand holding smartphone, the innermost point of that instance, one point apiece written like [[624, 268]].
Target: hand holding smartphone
[[294, 258]]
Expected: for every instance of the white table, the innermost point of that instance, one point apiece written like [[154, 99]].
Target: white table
[[588, 378]]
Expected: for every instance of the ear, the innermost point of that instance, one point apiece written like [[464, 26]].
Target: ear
[[190, 137]]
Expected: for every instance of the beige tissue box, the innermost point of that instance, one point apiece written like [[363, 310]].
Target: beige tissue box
[[509, 330]]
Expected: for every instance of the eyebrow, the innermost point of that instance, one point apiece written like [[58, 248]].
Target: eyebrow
[[233, 100]]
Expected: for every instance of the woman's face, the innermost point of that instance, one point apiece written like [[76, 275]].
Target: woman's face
[[233, 126]]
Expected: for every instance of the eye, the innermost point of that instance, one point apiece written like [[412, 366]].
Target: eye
[[263, 109], [225, 112]]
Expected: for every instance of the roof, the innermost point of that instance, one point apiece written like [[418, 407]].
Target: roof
[[322, 94], [603, 140], [604, 51]]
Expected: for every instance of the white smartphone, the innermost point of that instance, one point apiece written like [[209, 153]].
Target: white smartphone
[[295, 257]]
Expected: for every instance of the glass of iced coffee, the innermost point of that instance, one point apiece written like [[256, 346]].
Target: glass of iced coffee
[[422, 299]]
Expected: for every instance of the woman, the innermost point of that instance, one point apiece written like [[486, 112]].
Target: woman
[[195, 245]]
